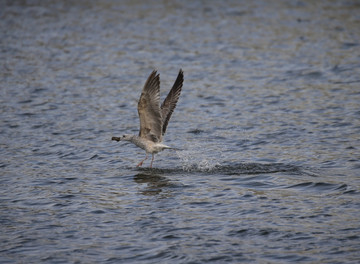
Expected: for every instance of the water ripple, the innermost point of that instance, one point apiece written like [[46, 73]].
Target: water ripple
[[268, 124]]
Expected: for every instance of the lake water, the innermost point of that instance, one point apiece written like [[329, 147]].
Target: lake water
[[268, 123]]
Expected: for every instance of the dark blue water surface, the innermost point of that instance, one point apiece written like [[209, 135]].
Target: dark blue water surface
[[268, 123]]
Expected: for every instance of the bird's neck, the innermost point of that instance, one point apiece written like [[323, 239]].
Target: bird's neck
[[138, 141], [133, 139]]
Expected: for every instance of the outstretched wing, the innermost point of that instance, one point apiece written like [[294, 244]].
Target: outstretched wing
[[149, 109], [169, 104]]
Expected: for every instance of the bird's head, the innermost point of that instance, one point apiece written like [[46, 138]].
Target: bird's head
[[124, 137]]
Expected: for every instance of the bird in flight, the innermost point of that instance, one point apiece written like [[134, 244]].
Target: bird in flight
[[153, 117]]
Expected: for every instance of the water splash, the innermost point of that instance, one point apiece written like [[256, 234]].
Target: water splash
[[193, 158]]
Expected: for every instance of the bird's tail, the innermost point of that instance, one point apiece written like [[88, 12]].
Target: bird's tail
[[167, 147], [179, 149]]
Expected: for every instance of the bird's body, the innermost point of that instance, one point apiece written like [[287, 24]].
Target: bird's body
[[147, 145], [153, 117]]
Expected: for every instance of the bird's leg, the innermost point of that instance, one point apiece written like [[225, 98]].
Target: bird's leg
[[141, 162], [152, 159]]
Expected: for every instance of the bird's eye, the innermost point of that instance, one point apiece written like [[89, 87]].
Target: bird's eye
[[123, 136]]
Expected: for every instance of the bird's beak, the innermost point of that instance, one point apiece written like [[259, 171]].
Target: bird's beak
[[115, 138]]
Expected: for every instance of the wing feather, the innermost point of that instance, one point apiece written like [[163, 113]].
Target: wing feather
[[149, 109], [169, 104]]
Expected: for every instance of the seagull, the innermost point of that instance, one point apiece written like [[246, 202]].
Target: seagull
[[153, 117]]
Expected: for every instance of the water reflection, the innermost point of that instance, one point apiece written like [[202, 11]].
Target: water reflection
[[155, 183]]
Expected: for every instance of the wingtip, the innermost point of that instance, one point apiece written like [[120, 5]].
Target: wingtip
[[181, 74], [154, 75], [154, 72]]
